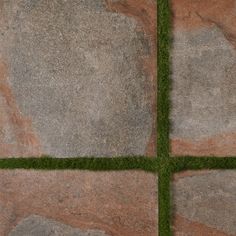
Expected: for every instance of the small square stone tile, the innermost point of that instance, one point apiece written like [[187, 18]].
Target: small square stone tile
[[203, 94], [204, 203], [78, 203], [77, 78]]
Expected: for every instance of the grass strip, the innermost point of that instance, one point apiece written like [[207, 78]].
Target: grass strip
[[163, 124], [163, 83], [164, 200], [164, 165], [95, 164]]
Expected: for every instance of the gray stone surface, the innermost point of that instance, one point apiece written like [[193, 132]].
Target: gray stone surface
[[115, 202], [203, 90], [75, 70], [209, 199], [39, 226]]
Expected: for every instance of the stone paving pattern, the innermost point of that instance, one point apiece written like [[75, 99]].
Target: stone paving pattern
[[203, 97], [205, 203], [77, 78], [66, 203], [203, 114]]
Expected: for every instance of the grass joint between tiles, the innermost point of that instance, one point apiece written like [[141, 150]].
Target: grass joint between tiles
[[164, 164]]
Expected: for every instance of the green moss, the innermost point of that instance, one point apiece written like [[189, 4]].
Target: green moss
[[163, 124], [163, 85], [163, 165], [95, 164]]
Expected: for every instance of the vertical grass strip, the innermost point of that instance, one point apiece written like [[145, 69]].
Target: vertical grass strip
[[164, 201], [163, 107], [163, 83]]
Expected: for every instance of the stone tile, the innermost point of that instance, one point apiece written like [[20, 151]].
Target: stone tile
[[205, 203], [36, 225], [203, 94], [77, 78], [66, 203]]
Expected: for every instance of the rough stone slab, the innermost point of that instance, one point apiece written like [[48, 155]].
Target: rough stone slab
[[41, 203], [40, 226], [77, 78], [203, 113], [205, 203]]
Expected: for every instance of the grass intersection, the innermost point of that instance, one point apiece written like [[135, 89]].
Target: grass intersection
[[164, 165]]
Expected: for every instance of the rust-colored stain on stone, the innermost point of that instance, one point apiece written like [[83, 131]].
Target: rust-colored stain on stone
[[116, 203], [191, 15], [16, 134], [88, 92], [204, 203], [221, 145], [145, 12], [203, 96], [185, 227]]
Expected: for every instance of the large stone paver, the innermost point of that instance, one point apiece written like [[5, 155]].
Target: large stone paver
[[205, 203], [203, 74], [40, 226], [66, 203], [77, 78]]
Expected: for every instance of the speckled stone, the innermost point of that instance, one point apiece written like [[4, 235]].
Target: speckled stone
[[77, 78], [39, 226], [205, 203], [73, 202], [203, 56]]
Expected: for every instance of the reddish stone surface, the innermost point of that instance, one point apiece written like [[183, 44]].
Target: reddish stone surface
[[193, 18], [116, 203], [185, 227], [16, 135], [145, 12], [190, 173], [204, 203], [220, 145], [69, 124], [189, 15]]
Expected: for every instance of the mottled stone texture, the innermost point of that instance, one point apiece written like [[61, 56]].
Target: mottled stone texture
[[40, 226], [205, 203], [77, 78], [203, 113], [66, 203]]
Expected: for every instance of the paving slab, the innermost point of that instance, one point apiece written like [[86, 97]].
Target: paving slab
[[78, 203], [77, 78], [35, 226], [204, 203], [203, 97]]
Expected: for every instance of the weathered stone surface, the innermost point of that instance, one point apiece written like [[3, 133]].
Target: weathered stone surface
[[102, 203], [40, 226], [203, 72], [77, 78], [205, 203]]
